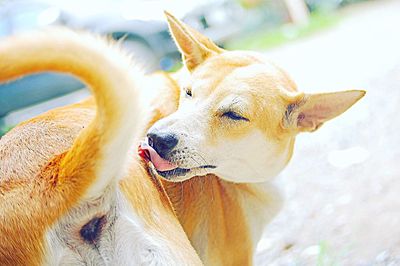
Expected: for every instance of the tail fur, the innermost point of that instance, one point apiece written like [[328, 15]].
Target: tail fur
[[96, 157], [101, 148]]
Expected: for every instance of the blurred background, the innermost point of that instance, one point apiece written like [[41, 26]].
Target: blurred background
[[141, 27], [342, 186]]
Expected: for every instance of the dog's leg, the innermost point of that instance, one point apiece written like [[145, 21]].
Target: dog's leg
[[28, 207]]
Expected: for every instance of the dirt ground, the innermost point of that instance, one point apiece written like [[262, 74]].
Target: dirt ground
[[342, 187]]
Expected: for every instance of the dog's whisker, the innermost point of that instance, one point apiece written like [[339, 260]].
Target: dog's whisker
[[182, 194], [201, 157], [196, 162]]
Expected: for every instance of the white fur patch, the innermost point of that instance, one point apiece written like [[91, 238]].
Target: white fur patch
[[124, 240], [249, 159]]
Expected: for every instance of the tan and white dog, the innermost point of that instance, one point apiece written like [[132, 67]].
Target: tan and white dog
[[233, 131], [70, 191]]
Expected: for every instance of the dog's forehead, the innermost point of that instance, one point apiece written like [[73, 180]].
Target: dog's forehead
[[260, 77], [240, 72], [216, 68]]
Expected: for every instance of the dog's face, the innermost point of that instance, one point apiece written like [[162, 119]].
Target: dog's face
[[238, 115], [229, 121]]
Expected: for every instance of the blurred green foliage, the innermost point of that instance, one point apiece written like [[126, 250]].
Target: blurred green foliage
[[325, 5], [262, 40], [325, 258], [4, 129], [175, 67], [329, 256]]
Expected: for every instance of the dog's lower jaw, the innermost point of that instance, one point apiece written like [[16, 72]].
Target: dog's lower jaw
[[181, 174], [174, 173]]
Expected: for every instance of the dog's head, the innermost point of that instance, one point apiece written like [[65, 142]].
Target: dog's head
[[238, 114]]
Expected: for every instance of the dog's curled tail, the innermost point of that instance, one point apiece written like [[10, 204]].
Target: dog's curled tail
[[101, 148]]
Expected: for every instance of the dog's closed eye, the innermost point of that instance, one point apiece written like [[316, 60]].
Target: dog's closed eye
[[234, 116]]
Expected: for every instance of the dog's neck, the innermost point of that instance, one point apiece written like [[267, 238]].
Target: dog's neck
[[228, 217]]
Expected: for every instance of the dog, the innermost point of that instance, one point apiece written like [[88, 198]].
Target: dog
[[71, 190], [232, 130]]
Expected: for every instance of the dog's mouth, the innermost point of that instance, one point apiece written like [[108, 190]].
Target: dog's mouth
[[166, 168]]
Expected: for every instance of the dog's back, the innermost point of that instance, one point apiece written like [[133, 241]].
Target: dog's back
[[30, 146]]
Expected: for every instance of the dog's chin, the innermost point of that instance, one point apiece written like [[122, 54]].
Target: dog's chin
[[182, 174]]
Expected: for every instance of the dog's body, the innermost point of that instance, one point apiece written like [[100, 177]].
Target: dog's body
[[219, 217], [70, 191], [223, 218], [233, 131]]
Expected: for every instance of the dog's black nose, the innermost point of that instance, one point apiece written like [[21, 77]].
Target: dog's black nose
[[162, 143]]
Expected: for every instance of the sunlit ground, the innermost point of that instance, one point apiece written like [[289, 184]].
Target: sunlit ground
[[342, 186]]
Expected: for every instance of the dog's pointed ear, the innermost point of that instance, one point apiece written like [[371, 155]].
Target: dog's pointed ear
[[194, 46], [309, 111]]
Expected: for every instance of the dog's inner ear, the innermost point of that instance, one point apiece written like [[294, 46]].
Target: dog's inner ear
[[313, 110], [194, 46]]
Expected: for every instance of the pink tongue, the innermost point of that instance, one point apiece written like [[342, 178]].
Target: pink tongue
[[159, 163]]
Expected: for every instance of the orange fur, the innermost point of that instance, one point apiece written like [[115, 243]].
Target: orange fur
[[210, 209], [63, 180], [224, 220], [212, 216], [45, 161], [50, 163]]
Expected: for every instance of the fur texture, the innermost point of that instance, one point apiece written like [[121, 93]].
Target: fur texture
[[239, 114], [61, 170]]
